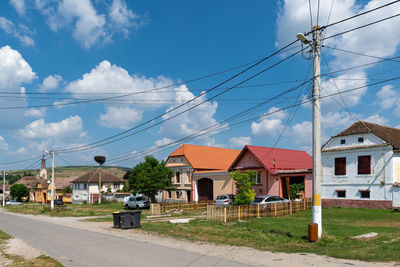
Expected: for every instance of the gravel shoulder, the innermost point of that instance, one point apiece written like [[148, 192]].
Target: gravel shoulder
[[244, 255]]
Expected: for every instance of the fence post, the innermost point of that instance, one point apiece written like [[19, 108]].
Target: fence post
[[275, 209], [258, 210], [238, 213], [290, 207], [224, 214]]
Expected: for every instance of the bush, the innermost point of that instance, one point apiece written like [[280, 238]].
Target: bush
[[295, 189]]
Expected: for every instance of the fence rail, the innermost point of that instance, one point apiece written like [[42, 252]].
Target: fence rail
[[235, 213], [160, 208]]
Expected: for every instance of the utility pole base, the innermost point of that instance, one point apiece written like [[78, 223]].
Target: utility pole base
[[312, 232]]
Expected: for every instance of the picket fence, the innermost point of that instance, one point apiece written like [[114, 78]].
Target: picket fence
[[244, 212]]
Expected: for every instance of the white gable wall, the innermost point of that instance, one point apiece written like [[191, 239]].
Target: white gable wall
[[379, 182]]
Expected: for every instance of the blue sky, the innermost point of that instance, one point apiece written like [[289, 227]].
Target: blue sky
[[144, 55]]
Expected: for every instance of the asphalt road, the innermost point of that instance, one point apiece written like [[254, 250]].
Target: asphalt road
[[75, 247]]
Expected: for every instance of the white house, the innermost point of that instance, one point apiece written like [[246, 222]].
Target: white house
[[361, 167], [86, 187]]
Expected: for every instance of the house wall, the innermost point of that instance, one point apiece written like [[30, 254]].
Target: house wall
[[222, 183], [81, 194], [184, 187], [379, 182]]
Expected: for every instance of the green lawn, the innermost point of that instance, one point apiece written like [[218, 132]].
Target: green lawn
[[69, 210], [289, 233]]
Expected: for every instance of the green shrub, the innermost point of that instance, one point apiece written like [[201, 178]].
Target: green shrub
[[295, 189]]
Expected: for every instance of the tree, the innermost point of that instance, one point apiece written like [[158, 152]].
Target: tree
[[67, 189], [149, 177], [19, 191], [244, 181]]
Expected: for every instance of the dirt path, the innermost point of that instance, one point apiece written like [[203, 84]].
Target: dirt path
[[245, 255]]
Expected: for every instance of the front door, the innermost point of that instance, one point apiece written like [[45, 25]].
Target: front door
[[205, 187]]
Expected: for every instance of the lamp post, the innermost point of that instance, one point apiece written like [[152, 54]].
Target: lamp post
[[4, 188], [100, 160], [316, 123]]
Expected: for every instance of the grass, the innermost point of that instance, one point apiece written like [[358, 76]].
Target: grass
[[69, 210], [19, 261], [289, 233]]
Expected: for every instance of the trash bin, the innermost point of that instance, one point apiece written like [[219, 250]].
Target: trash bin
[[126, 219], [136, 218], [116, 219]]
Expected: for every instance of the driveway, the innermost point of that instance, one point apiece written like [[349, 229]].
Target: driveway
[[77, 247]]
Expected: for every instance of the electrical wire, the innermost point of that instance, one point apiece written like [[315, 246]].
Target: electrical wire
[[175, 108], [360, 27], [361, 54]]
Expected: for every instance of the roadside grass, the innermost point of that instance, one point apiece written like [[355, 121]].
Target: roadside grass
[[19, 261], [69, 210], [290, 233]]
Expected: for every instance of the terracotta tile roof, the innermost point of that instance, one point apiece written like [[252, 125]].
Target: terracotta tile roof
[[93, 177], [286, 159], [62, 182], [29, 181], [7, 187], [205, 157], [388, 134]]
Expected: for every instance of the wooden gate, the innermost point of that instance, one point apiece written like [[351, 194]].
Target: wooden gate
[[205, 190]]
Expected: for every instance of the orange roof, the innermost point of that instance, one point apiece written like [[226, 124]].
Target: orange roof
[[205, 157]]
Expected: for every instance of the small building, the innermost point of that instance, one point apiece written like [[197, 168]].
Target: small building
[[6, 191], [361, 167], [200, 173], [276, 169], [86, 187], [31, 183]]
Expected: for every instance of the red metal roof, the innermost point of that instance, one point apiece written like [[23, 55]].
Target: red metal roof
[[286, 159]]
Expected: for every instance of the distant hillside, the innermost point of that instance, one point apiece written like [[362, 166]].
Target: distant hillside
[[74, 171]]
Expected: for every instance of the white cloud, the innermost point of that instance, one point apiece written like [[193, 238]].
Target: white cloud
[[19, 6], [20, 151], [376, 118], [240, 142], [162, 142], [193, 121], [270, 125], [35, 112], [68, 128], [120, 117], [14, 71], [123, 18], [336, 120], [3, 144], [89, 26], [389, 98], [302, 133], [21, 32], [51, 82]]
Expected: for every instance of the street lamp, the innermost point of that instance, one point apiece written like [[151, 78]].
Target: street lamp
[[100, 160]]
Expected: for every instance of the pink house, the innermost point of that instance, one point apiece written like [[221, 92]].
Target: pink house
[[276, 169]]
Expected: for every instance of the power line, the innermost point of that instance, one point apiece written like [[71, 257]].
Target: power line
[[361, 54], [362, 26], [186, 110]]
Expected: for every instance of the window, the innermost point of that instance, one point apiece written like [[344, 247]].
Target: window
[[361, 139], [258, 178], [341, 193], [116, 186], [178, 177], [364, 164], [169, 194], [340, 166], [365, 193], [188, 177], [85, 186], [343, 141], [177, 194]]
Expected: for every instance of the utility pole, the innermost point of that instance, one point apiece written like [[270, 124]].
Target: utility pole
[[4, 188], [52, 178], [316, 133], [100, 184]]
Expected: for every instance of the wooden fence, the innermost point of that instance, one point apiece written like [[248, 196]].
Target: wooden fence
[[160, 208], [237, 213]]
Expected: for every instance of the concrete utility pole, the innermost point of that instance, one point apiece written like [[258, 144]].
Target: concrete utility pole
[[4, 188], [100, 184], [316, 133], [52, 178]]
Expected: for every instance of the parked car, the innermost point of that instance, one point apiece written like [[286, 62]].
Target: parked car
[[268, 199], [13, 202], [224, 200], [137, 202], [58, 202]]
